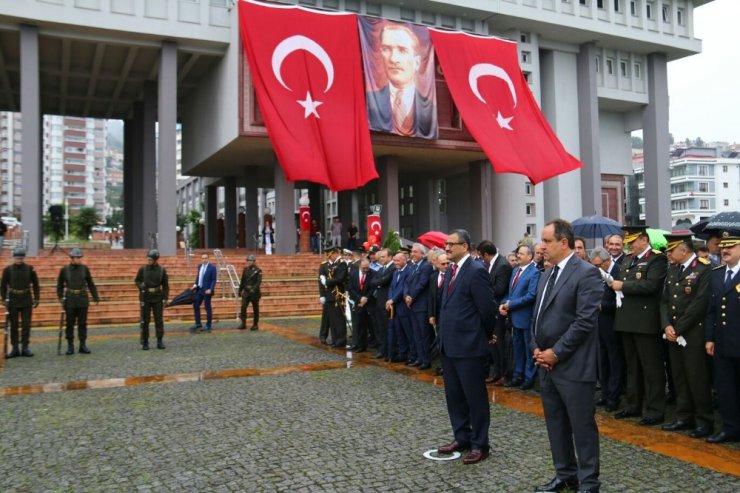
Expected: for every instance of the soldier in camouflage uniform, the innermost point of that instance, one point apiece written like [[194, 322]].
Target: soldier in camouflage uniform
[[249, 292], [154, 290], [72, 285], [17, 281]]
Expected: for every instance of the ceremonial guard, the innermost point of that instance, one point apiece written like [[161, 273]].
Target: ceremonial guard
[[17, 281], [72, 285], [324, 328], [642, 275], [154, 290], [723, 336], [682, 313], [249, 292], [335, 283]]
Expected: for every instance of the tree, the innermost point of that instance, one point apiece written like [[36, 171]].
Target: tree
[[193, 218], [636, 142], [698, 142], [687, 142], [84, 221], [392, 241]]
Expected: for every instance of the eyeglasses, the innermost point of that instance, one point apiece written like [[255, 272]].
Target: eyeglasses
[[450, 243]]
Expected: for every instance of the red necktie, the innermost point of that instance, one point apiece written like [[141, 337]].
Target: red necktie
[[516, 278], [362, 281], [441, 280], [452, 279]]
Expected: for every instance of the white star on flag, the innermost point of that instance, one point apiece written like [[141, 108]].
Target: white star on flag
[[504, 122], [309, 105]]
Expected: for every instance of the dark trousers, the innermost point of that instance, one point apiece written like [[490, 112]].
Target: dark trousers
[[467, 399], [727, 384], [25, 314], [645, 373], [693, 385], [201, 298], [154, 308], [255, 301], [360, 327], [611, 360], [422, 337], [381, 326], [324, 327], [502, 353], [400, 334], [524, 366], [571, 428], [338, 324], [79, 315]]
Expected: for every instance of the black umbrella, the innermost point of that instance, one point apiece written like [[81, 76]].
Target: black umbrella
[[184, 298], [596, 227], [724, 221]]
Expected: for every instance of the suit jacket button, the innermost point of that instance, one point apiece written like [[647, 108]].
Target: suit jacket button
[[675, 296], [723, 307], [724, 323]]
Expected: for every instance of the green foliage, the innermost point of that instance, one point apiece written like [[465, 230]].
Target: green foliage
[[193, 218], [49, 229], [699, 142], [636, 142], [392, 241], [84, 221]]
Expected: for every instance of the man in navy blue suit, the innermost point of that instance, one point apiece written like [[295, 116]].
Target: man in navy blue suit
[[204, 286], [466, 323], [399, 330], [518, 307], [416, 297]]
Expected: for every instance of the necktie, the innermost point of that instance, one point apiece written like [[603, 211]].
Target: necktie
[[200, 277], [362, 281], [399, 115], [728, 280], [548, 292], [452, 279], [440, 280], [516, 278], [680, 270]]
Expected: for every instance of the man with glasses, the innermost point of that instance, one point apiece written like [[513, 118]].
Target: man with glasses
[[204, 286]]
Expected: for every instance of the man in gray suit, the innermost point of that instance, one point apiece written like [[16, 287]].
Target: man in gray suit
[[565, 346]]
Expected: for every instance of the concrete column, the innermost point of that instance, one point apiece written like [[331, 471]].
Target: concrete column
[[211, 215], [130, 184], [509, 210], [426, 215], [558, 71], [230, 212], [167, 162], [388, 194], [285, 230], [655, 145], [147, 195], [31, 174], [344, 210], [588, 123], [252, 214], [316, 196], [481, 205]]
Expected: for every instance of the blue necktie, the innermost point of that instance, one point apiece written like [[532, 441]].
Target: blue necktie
[[728, 280]]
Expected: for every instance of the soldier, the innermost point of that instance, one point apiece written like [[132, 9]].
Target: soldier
[[723, 336], [15, 289], [335, 283], [324, 328], [682, 313], [249, 291], [643, 274], [76, 279], [154, 286]]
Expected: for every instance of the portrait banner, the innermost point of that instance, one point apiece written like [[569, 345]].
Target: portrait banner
[[307, 75], [400, 92]]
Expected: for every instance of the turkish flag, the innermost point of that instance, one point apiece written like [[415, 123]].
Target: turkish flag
[[498, 107], [307, 74]]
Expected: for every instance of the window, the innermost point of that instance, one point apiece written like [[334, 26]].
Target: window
[[528, 188], [703, 187], [679, 17], [610, 66], [526, 56], [524, 37], [597, 62], [616, 5], [529, 208], [724, 168], [633, 8], [649, 10], [664, 14], [623, 68], [726, 202], [637, 70], [703, 204], [725, 185], [703, 170], [532, 230], [600, 4]]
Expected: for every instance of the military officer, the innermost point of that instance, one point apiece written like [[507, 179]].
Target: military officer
[[335, 283], [723, 336], [324, 328], [643, 274], [16, 286], [683, 311], [154, 290], [249, 292], [72, 285]]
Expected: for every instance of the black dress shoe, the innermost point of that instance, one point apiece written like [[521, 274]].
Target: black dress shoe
[[439, 371], [527, 385], [557, 485], [424, 367], [378, 355], [701, 432], [651, 420], [244, 327], [626, 413], [514, 383], [360, 350], [412, 363], [452, 447], [677, 425], [321, 341], [195, 328], [254, 327], [722, 437]]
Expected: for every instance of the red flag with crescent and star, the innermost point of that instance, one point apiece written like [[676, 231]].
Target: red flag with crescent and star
[[498, 107], [307, 74]]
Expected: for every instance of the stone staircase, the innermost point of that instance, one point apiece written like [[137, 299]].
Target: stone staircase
[[289, 285]]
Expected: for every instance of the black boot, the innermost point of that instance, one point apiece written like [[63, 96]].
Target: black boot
[[83, 348], [160, 344], [254, 327], [26, 352], [14, 353], [145, 345], [241, 327], [70, 347]]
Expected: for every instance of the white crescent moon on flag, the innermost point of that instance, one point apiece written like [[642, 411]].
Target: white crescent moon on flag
[[304, 214], [488, 69], [373, 226], [299, 42]]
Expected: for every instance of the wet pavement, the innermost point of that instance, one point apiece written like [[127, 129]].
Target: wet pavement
[[274, 410]]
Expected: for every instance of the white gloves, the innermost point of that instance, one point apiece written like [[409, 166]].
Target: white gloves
[[322, 278], [322, 300]]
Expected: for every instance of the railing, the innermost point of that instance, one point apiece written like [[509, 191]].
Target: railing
[[231, 277]]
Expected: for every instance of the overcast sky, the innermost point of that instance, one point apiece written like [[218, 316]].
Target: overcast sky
[[704, 96]]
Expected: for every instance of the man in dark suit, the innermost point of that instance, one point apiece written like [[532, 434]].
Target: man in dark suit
[[203, 287], [399, 107], [638, 322], [436, 281], [360, 292], [466, 323], [564, 345], [611, 357], [381, 283], [416, 297], [500, 272], [324, 327], [335, 283], [517, 307], [615, 246], [723, 336], [399, 330]]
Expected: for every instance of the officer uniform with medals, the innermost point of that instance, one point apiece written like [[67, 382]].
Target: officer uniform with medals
[[154, 290], [336, 287], [682, 313], [324, 328], [18, 281], [723, 336], [249, 292], [638, 321], [72, 285]]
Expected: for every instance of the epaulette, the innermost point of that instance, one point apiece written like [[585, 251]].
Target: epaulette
[[703, 261], [324, 262], [719, 267], [656, 252]]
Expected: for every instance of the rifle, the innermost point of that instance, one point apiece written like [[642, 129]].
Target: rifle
[[141, 316], [5, 333], [61, 327]]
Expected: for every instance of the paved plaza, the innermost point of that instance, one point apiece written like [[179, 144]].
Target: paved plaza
[[272, 411]]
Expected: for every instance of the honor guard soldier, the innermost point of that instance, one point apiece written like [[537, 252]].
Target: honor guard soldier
[[643, 274], [335, 283], [324, 328], [154, 287], [17, 281], [72, 285], [723, 336], [682, 313], [249, 292]]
